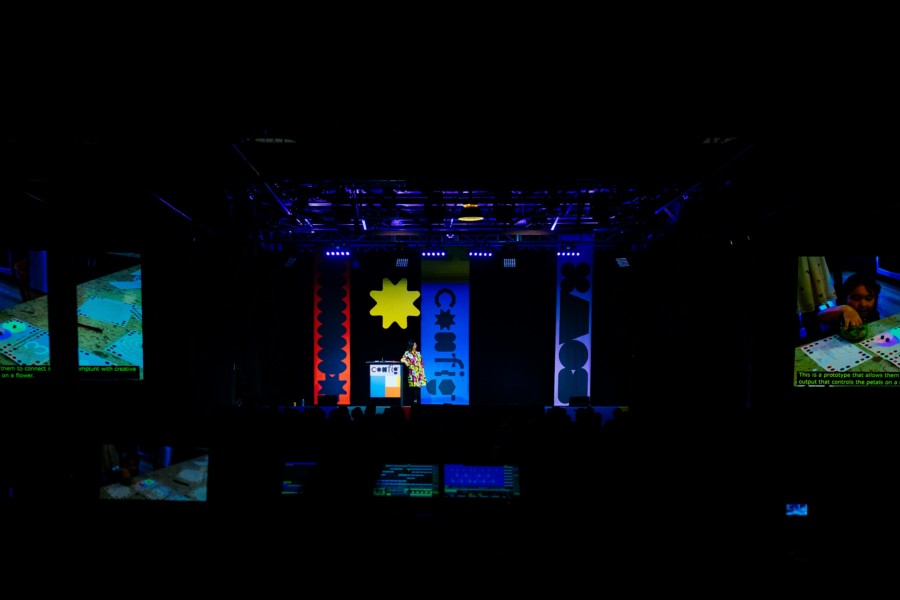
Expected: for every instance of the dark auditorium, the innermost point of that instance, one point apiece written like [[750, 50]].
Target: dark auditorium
[[444, 349]]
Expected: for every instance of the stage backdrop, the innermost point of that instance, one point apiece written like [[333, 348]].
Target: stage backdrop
[[490, 334]]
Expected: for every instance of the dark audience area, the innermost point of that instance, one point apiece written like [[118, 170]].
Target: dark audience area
[[625, 492]]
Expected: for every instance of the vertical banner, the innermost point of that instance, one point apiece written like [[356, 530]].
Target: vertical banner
[[331, 330], [573, 324], [445, 328]]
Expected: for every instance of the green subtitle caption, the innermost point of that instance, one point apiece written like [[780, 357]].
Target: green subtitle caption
[[847, 379], [23, 371], [115, 371]]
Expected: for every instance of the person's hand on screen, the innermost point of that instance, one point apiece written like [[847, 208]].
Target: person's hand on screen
[[851, 317]]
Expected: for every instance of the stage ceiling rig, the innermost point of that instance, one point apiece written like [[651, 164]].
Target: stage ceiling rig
[[295, 195]]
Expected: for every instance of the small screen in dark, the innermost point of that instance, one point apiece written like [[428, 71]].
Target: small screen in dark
[[296, 477], [481, 481], [405, 480]]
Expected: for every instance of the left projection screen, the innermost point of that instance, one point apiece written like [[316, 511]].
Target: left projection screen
[[24, 315], [109, 315]]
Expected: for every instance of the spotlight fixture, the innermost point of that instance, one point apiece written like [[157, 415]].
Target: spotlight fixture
[[481, 253], [434, 253], [470, 213], [568, 251], [337, 251]]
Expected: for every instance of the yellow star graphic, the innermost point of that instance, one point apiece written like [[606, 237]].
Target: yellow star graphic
[[394, 303]]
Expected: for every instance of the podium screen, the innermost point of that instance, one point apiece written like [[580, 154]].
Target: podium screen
[[385, 380]]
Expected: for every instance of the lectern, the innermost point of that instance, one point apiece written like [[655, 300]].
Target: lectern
[[386, 383]]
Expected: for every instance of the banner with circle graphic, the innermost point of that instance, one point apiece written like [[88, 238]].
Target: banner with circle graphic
[[445, 329], [573, 325]]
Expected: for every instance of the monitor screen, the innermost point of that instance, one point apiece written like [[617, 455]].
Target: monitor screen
[[481, 481], [24, 315], [848, 322], [110, 316], [796, 509], [407, 480], [296, 477], [153, 471]]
